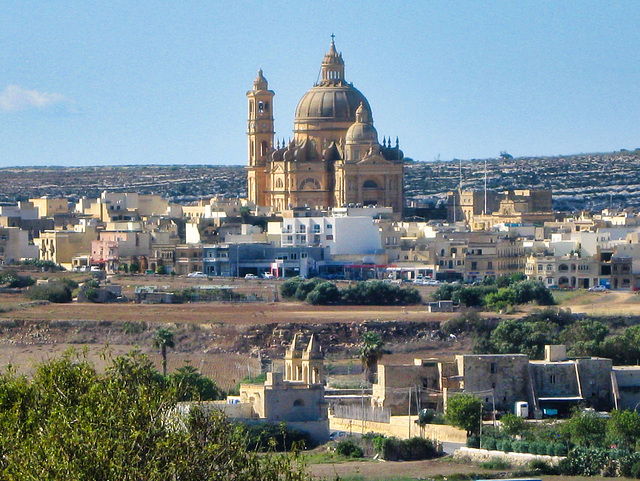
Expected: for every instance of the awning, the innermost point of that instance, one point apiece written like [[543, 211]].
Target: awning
[[561, 399]]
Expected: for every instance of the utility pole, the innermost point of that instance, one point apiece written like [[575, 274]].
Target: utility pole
[[409, 414]]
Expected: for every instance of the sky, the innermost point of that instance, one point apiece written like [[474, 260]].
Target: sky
[[165, 82]]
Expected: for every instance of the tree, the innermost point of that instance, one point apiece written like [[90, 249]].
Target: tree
[[513, 425], [191, 385], [585, 429], [70, 422], [623, 429], [464, 411], [370, 353], [162, 339], [514, 336]]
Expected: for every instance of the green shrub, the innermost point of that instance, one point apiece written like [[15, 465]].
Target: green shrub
[[559, 449], [488, 443], [278, 437], [495, 463], [289, 287], [52, 292], [542, 467], [349, 449], [414, 449], [473, 442], [324, 293]]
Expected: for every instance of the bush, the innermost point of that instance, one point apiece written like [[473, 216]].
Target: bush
[[289, 287], [52, 292], [473, 442], [414, 449], [349, 449], [378, 293], [559, 449], [542, 467], [278, 437], [323, 294], [13, 280], [488, 443]]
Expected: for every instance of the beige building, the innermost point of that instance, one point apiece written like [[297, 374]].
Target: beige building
[[61, 246], [484, 210], [48, 207], [335, 157], [298, 397]]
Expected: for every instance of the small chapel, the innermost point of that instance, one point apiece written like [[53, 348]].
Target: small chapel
[[335, 158]]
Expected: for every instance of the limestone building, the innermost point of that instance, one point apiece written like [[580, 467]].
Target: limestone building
[[335, 157]]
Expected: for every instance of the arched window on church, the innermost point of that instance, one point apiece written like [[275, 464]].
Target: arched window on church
[[251, 108], [264, 146], [260, 107], [369, 184], [266, 106], [310, 184], [279, 183]]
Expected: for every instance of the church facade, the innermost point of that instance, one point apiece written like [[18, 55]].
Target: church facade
[[334, 158]]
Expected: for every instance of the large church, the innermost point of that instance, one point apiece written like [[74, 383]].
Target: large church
[[334, 159]]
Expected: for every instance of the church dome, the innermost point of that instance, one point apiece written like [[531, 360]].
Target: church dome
[[333, 99], [331, 103]]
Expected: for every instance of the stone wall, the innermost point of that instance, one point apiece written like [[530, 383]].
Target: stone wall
[[402, 427], [520, 459]]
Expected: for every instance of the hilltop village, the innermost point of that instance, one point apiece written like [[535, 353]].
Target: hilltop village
[[333, 218]]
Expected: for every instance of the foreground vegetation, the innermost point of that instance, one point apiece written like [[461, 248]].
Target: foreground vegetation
[[70, 423]]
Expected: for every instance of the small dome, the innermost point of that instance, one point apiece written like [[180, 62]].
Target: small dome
[[362, 131], [361, 134], [337, 103]]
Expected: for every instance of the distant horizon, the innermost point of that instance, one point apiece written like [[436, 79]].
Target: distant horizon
[[475, 159]]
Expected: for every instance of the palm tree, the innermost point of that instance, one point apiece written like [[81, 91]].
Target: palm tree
[[162, 339], [370, 353]]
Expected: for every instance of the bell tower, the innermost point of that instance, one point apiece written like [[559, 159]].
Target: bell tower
[[260, 131]]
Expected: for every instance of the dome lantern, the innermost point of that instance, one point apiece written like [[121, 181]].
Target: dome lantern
[[332, 66]]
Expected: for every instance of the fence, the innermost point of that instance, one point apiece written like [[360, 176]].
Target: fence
[[362, 413]]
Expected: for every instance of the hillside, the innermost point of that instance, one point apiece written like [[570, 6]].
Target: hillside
[[579, 182]]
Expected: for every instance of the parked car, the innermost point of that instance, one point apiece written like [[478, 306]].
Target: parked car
[[268, 275], [251, 276], [196, 274], [598, 289]]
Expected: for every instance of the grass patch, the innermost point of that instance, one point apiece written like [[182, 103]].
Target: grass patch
[[329, 457], [496, 463]]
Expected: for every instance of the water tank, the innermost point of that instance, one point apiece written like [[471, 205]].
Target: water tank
[[522, 409]]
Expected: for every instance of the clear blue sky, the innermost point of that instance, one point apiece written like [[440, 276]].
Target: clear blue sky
[[164, 82]]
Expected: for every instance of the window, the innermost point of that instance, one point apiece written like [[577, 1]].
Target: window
[[303, 255], [489, 265], [474, 266], [316, 228], [260, 107], [552, 378], [369, 184], [494, 368]]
